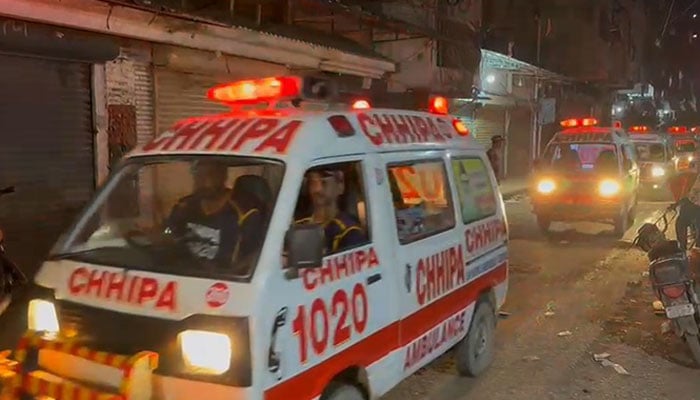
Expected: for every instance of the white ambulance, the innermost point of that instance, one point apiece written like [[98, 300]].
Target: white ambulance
[[290, 249]]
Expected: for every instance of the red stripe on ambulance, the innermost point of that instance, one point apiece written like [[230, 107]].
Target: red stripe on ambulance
[[310, 383]]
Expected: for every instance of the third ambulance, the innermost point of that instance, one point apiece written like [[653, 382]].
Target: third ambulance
[[290, 249], [655, 155], [686, 148]]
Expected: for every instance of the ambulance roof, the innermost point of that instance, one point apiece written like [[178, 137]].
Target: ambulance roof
[[647, 137], [287, 133], [593, 134]]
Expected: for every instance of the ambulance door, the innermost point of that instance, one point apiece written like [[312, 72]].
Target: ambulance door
[[429, 254], [481, 216], [341, 314]]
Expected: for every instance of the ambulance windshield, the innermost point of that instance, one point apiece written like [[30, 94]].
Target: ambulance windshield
[[189, 215], [581, 157]]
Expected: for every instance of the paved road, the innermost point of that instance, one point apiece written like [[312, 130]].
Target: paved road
[[595, 288]]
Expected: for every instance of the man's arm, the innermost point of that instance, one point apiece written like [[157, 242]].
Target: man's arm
[[351, 237]]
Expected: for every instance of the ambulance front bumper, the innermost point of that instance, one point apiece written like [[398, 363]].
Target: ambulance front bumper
[[574, 210], [59, 370]]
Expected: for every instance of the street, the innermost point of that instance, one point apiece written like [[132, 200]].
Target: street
[[582, 282]]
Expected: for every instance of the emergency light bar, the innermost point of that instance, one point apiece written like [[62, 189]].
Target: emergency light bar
[[639, 129], [678, 129], [273, 89], [361, 105], [438, 105], [573, 122]]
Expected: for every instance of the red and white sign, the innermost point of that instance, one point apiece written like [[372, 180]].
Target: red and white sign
[[260, 135], [122, 287], [218, 295], [381, 128]]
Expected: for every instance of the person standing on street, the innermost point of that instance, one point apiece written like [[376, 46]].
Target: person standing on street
[[495, 154]]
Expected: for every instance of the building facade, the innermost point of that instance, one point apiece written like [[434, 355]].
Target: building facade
[[87, 80]]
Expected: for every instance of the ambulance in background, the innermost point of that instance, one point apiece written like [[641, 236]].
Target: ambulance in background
[[655, 156], [685, 147], [586, 173], [134, 308]]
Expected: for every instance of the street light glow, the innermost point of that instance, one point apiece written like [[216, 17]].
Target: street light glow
[[490, 78]]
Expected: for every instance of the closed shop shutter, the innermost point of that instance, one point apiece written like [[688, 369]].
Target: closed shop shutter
[[182, 95], [518, 144], [489, 121], [46, 150]]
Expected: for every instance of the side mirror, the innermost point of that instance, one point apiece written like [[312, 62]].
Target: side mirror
[[304, 245]]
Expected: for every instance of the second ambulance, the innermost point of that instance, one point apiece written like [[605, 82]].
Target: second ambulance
[[289, 249]]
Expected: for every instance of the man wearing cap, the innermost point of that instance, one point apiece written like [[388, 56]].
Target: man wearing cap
[[342, 231], [495, 154]]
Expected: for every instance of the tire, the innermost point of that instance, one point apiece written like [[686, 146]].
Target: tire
[[621, 225], [475, 353], [342, 391], [543, 223], [693, 343]]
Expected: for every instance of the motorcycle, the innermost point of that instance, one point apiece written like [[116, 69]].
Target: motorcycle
[[11, 277], [672, 280]]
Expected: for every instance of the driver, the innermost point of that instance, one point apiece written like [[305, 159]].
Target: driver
[[207, 219], [341, 230]]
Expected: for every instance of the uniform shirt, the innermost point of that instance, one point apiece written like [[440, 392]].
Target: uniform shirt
[[252, 231], [215, 234], [341, 233]]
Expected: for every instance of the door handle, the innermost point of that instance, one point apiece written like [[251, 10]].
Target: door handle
[[374, 278], [274, 355]]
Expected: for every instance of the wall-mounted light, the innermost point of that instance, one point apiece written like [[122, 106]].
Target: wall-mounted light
[[695, 16], [491, 78]]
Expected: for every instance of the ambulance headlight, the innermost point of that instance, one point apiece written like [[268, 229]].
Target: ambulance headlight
[[657, 172], [608, 188], [546, 186], [41, 316], [205, 352]]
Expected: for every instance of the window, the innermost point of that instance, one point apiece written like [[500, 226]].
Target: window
[[650, 152], [191, 215], [580, 156], [422, 200], [476, 196], [333, 195]]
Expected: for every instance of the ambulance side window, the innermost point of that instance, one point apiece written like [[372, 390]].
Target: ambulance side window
[[477, 198], [422, 199], [335, 190]]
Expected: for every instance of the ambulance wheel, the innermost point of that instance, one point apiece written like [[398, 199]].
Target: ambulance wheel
[[342, 391], [475, 352]]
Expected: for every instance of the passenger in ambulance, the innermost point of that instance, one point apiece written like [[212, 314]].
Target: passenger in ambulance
[[606, 162], [253, 197], [207, 220], [569, 160], [342, 230]]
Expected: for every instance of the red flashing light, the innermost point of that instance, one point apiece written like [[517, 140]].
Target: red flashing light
[[438, 105], [678, 129], [617, 124], [341, 125], [639, 129], [360, 105], [256, 90], [573, 122], [460, 127]]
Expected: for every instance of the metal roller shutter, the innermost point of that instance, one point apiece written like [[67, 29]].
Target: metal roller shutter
[[489, 121], [182, 95], [46, 150]]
